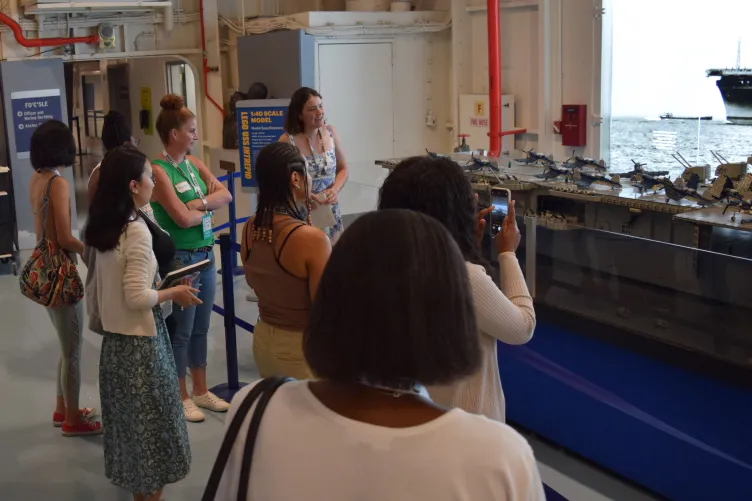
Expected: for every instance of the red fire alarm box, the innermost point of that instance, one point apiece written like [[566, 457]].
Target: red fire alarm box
[[573, 122]]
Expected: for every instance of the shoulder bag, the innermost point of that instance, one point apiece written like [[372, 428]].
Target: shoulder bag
[[50, 277], [262, 392]]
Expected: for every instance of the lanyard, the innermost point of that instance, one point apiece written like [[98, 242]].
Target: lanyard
[[190, 178]]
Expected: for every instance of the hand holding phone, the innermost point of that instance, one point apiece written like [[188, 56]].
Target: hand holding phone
[[508, 239], [480, 220]]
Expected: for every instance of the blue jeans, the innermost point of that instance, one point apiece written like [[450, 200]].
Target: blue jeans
[[190, 326]]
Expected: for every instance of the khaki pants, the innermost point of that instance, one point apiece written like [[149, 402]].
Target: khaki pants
[[279, 352]]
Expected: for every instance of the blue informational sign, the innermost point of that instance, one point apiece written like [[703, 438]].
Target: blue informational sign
[[259, 123], [30, 110]]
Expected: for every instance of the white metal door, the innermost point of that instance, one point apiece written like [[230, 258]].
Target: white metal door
[[355, 80]]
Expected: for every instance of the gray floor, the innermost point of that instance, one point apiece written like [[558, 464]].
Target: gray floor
[[38, 463]]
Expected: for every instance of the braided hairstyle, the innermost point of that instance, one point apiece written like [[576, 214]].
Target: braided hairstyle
[[274, 166]]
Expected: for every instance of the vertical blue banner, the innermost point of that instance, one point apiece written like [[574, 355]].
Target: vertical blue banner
[[30, 110], [259, 123]]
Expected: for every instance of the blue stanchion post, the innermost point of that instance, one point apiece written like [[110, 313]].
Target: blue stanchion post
[[233, 223], [228, 390]]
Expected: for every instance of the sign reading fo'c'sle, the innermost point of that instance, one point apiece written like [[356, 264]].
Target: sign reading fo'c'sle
[[31, 109]]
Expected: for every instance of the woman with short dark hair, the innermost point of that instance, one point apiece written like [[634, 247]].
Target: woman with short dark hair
[[307, 130], [51, 149], [387, 320], [439, 188], [115, 132]]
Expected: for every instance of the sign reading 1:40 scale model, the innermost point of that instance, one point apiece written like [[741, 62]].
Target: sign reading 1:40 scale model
[[30, 110]]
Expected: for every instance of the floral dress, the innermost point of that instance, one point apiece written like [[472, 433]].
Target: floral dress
[[145, 436], [323, 169]]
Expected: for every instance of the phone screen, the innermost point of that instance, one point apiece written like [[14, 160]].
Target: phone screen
[[500, 201]]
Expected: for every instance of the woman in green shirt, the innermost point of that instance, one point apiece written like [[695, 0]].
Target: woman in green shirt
[[185, 195]]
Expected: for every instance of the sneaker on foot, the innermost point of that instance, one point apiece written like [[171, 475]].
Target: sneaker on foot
[[84, 428], [211, 401], [192, 413], [59, 417]]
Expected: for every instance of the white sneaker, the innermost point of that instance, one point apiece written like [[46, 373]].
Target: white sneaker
[[192, 413], [211, 401]]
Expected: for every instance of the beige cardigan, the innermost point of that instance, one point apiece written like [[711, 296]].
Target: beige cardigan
[[124, 283]]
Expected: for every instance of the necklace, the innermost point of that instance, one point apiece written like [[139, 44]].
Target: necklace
[[410, 388], [318, 157]]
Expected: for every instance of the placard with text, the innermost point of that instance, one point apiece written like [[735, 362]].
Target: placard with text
[[259, 123]]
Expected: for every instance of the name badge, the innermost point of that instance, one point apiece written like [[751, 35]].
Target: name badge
[[206, 223], [182, 187]]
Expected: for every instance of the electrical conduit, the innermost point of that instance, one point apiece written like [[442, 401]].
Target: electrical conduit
[[494, 80], [204, 64], [42, 42]]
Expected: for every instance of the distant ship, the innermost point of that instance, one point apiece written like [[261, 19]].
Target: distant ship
[[671, 116], [736, 90]]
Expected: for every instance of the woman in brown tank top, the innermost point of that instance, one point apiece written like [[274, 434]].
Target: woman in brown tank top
[[283, 258]]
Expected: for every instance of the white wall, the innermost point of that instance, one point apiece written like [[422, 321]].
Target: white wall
[[147, 72]]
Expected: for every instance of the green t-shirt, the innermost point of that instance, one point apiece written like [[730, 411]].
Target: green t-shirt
[[184, 238]]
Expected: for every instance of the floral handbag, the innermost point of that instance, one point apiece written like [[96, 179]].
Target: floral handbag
[[50, 277]]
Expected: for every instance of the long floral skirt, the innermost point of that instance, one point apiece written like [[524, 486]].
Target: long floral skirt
[[145, 436]]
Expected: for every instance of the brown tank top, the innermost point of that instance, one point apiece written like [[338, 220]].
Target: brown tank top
[[284, 300]]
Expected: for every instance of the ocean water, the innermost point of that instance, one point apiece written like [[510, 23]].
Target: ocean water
[[653, 141]]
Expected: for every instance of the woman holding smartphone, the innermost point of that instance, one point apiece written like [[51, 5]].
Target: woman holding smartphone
[[185, 195], [145, 436]]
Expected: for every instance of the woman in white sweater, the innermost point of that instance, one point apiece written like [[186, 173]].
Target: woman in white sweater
[[438, 187], [145, 437], [365, 429]]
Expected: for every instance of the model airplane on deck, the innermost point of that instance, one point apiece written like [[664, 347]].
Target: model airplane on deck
[[584, 180], [741, 207], [580, 162], [531, 157], [639, 168], [676, 192]]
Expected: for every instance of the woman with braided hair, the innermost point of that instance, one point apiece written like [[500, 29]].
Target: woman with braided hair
[[283, 258]]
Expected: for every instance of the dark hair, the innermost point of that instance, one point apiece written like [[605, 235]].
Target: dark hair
[[418, 277], [113, 205], [437, 187], [115, 130], [274, 166], [257, 90], [173, 115], [293, 123], [52, 146]]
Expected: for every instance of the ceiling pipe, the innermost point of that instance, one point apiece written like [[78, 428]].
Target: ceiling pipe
[[42, 42], [495, 79], [30, 43], [169, 18]]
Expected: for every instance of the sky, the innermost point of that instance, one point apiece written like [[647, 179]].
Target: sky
[[661, 49]]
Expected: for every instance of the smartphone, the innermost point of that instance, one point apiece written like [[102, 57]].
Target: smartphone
[[500, 200]]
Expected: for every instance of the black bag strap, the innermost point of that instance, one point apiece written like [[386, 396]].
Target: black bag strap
[[46, 205], [263, 392]]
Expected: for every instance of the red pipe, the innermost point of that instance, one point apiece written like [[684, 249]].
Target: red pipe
[[204, 64], [42, 42], [494, 80]]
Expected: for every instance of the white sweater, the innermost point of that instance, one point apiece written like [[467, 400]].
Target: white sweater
[[125, 279], [305, 451], [507, 316]]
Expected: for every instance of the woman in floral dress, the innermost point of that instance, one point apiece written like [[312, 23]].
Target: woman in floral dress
[[318, 142], [145, 437]]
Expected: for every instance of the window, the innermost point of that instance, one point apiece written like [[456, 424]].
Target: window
[[677, 91], [181, 81]]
